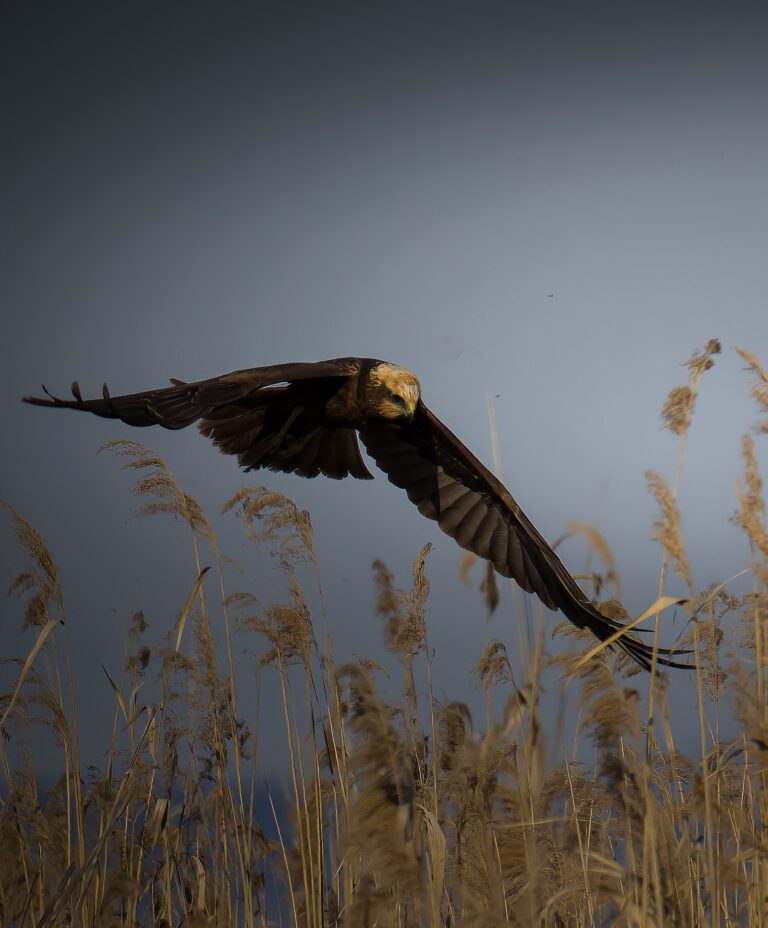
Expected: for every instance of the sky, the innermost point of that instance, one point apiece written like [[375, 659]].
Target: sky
[[542, 209]]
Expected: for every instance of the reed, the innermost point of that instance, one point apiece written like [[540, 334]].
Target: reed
[[397, 808]]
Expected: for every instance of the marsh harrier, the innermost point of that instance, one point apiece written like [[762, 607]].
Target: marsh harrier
[[305, 418]]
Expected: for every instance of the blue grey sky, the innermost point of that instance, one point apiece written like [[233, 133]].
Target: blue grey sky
[[549, 204]]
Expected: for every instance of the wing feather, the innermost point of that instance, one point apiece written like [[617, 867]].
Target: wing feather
[[181, 404], [450, 518], [466, 530], [450, 495], [515, 560], [484, 533], [498, 553]]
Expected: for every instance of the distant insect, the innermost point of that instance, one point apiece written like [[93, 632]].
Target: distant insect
[[304, 418]]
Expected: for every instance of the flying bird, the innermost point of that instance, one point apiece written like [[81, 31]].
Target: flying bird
[[306, 418]]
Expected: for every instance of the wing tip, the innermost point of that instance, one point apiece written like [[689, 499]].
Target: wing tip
[[35, 401], [48, 400], [645, 654]]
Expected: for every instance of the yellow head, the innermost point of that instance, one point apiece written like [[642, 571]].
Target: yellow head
[[393, 391]]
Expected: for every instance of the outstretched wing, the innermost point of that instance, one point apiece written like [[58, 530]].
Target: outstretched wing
[[449, 484], [177, 406]]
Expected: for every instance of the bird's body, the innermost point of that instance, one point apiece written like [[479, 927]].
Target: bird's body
[[306, 418]]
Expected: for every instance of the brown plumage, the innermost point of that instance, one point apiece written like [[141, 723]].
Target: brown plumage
[[305, 418]]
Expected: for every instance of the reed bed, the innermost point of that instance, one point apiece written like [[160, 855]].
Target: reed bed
[[400, 809]]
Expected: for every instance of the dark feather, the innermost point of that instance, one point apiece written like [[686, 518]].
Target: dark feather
[[272, 429], [180, 405]]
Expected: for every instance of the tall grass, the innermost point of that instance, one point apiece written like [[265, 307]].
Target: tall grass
[[397, 811]]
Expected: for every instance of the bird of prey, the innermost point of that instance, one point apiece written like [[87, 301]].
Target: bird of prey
[[305, 418]]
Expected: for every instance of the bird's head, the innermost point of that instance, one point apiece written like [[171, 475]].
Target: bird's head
[[393, 392]]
